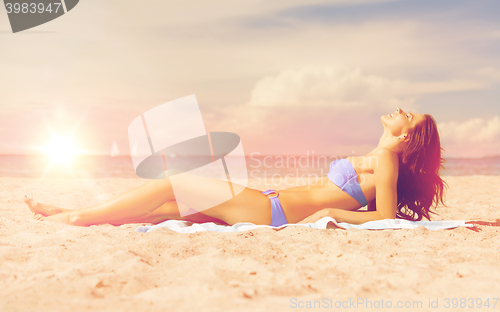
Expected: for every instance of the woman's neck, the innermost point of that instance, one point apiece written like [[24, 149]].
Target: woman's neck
[[389, 141]]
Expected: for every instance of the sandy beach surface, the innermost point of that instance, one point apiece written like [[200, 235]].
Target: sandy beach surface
[[55, 267]]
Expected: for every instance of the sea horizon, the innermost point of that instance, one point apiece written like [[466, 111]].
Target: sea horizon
[[246, 155]]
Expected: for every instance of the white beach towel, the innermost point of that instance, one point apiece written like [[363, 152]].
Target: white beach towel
[[190, 227]]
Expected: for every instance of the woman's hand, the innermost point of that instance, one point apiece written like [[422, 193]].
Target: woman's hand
[[317, 216]]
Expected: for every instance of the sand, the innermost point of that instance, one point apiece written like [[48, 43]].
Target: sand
[[55, 267]]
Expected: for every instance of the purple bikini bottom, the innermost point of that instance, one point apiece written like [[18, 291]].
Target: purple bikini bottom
[[277, 215]]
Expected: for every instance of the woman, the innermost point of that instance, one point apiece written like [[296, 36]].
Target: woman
[[398, 178]]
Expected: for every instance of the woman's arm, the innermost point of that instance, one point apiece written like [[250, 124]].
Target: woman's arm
[[386, 183], [355, 217], [340, 215]]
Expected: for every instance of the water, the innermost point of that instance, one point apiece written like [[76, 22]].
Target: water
[[292, 166]]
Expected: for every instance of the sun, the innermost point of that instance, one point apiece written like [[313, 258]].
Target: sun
[[61, 150]]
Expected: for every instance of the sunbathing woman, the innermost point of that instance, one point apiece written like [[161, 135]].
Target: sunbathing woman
[[397, 179]]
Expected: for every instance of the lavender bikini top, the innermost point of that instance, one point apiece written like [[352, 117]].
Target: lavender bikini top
[[343, 175]]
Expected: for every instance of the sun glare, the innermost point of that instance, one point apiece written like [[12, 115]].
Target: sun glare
[[60, 150]]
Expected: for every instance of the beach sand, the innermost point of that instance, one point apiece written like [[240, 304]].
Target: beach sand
[[55, 267]]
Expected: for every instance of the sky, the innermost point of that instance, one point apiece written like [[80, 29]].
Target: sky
[[290, 77]]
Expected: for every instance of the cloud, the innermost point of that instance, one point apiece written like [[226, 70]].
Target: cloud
[[346, 89], [230, 53], [472, 131]]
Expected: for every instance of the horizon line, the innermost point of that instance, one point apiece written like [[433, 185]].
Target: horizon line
[[261, 155]]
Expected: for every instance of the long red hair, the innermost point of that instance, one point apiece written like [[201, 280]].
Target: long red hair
[[419, 183]]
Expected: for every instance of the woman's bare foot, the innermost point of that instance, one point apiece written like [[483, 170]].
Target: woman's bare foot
[[38, 216], [43, 209]]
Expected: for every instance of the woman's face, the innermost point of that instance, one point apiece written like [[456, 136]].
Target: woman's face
[[401, 122]]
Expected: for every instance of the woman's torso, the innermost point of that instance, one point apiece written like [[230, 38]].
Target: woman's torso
[[302, 201]]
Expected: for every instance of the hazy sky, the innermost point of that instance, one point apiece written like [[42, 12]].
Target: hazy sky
[[288, 76]]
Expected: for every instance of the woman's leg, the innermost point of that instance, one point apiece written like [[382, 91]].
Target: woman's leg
[[247, 206], [168, 211], [135, 203]]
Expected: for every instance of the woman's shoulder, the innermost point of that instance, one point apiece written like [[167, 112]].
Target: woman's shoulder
[[387, 160], [383, 154], [381, 157]]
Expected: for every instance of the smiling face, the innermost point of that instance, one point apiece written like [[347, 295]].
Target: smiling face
[[401, 122]]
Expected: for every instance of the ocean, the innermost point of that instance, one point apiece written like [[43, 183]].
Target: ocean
[[34, 166]]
